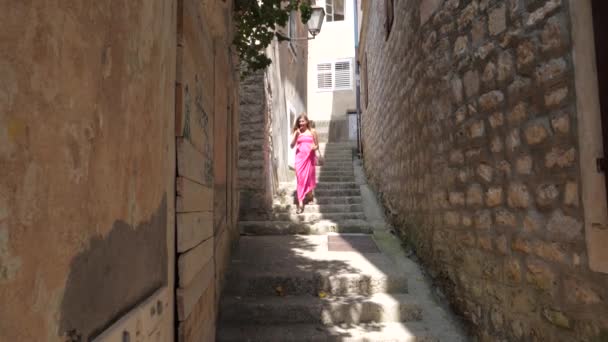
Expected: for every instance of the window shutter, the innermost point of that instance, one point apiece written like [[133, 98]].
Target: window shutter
[[343, 75], [324, 79]]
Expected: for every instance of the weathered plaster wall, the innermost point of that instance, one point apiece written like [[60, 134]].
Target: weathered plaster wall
[[87, 162], [470, 137], [292, 80]]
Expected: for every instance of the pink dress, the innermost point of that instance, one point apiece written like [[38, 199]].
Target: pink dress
[[305, 165]]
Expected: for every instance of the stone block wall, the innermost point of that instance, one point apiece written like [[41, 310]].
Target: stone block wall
[[255, 198], [470, 137], [269, 100]]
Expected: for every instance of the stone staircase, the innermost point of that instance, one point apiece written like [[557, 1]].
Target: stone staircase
[[336, 207], [319, 276]]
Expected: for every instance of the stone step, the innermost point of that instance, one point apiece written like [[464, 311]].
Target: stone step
[[316, 208], [368, 332], [337, 158], [295, 283], [338, 153], [336, 146], [329, 153], [317, 228], [328, 170], [344, 173], [341, 160], [339, 200], [303, 265], [286, 199], [380, 307], [337, 174], [336, 192], [344, 161], [335, 168], [307, 217], [342, 151], [326, 178], [291, 187], [322, 178], [335, 149], [338, 163]]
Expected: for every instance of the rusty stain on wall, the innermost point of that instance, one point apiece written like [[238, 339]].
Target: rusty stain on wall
[[114, 274]]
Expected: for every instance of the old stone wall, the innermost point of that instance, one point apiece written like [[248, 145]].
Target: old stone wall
[[470, 136], [253, 147], [87, 159], [270, 102]]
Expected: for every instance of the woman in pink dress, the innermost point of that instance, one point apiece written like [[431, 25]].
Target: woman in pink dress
[[306, 143]]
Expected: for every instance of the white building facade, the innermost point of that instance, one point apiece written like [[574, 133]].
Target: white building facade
[[331, 72]]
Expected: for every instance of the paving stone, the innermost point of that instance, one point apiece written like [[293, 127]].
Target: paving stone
[[290, 227], [334, 310], [394, 332]]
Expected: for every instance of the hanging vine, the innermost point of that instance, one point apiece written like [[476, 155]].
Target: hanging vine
[[256, 27]]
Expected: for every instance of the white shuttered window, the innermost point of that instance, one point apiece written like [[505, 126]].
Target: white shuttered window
[[334, 75], [324, 76], [342, 75]]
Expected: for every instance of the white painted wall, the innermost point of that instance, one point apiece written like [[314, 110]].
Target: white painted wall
[[336, 41]]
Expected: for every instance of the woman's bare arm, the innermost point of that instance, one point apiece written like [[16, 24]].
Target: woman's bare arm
[[294, 138], [315, 139]]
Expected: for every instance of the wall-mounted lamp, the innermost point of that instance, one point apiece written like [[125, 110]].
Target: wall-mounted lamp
[[314, 24], [316, 21]]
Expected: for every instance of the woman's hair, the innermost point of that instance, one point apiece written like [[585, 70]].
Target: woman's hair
[[296, 125]]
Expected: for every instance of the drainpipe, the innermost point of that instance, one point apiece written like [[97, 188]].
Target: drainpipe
[[357, 78]]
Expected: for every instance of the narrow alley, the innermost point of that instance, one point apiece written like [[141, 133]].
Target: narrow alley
[[304, 170], [328, 274]]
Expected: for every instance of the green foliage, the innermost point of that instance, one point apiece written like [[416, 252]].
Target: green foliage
[[256, 24]]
